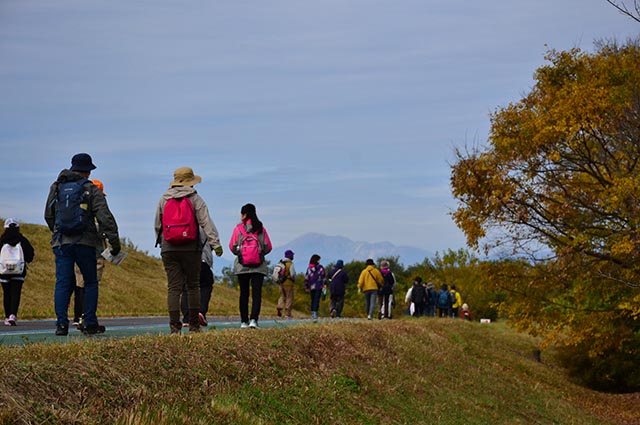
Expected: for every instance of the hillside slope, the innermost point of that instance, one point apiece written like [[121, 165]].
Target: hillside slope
[[346, 372]]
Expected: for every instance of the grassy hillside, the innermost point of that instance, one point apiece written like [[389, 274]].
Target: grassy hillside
[[138, 287], [346, 372]]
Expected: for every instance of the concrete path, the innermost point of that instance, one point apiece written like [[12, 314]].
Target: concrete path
[[43, 331]]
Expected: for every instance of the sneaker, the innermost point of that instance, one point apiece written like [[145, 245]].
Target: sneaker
[[6, 322], [203, 320], [185, 325], [12, 319], [369, 317], [62, 330], [253, 324], [314, 315], [279, 312], [92, 330], [333, 312], [75, 323], [244, 325]]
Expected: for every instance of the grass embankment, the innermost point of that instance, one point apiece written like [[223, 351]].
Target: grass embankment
[[380, 372]]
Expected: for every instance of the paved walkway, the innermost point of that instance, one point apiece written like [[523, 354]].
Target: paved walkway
[[32, 331]]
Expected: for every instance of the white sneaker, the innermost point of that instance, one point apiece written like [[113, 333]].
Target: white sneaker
[[244, 325], [12, 319], [253, 324], [6, 322]]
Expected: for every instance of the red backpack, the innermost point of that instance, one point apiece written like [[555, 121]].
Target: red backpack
[[179, 224]]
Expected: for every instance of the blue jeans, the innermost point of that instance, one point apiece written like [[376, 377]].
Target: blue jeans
[[85, 257], [315, 299]]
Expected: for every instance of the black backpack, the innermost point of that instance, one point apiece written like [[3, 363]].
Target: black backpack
[[72, 215], [389, 281], [418, 294]]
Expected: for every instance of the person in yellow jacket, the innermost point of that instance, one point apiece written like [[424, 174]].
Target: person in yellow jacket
[[369, 282], [456, 301]]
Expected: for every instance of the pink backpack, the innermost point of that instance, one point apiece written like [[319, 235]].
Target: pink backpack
[[179, 224], [250, 253]]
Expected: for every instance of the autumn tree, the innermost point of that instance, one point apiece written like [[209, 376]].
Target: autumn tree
[[559, 185]]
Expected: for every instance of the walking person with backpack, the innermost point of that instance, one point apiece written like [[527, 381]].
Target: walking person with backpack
[[314, 283], [418, 297], [337, 283], [444, 301], [369, 282], [250, 243], [386, 292], [73, 208], [285, 275], [15, 252], [78, 290], [180, 213], [456, 301]]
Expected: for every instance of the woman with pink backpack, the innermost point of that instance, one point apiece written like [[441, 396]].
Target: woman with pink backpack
[[250, 243]]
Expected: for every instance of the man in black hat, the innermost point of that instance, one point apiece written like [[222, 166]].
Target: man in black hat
[[73, 206]]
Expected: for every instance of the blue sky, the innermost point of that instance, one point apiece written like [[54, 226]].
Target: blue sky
[[337, 117]]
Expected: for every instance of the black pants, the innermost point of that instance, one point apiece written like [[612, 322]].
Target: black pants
[[419, 309], [253, 280], [12, 291], [206, 288], [78, 302]]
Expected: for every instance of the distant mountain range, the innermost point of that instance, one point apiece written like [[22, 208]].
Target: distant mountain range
[[332, 248]]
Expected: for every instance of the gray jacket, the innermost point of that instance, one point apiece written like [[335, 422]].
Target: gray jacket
[[98, 212], [202, 215]]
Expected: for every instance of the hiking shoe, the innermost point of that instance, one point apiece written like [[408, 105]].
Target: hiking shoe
[[279, 312], [62, 330], [244, 325], [92, 330], [12, 319], [253, 323], [75, 323], [6, 322], [203, 320], [333, 312]]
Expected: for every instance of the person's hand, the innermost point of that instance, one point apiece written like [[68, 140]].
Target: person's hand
[[359, 290], [218, 251], [115, 248]]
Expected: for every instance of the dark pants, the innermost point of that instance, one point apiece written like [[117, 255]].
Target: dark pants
[[419, 309], [85, 257], [454, 312], [443, 312], [315, 299], [337, 304], [12, 291], [78, 302], [183, 270], [206, 288], [253, 281]]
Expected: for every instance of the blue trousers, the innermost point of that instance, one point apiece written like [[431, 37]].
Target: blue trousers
[[85, 257]]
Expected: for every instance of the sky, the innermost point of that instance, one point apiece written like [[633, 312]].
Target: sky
[[338, 117]]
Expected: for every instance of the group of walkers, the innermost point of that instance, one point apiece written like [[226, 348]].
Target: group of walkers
[[80, 220], [424, 300]]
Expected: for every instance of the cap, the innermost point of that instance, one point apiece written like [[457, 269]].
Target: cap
[[289, 254], [11, 222], [82, 162], [339, 264]]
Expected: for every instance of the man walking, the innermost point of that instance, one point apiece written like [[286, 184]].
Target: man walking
[[73, 207]]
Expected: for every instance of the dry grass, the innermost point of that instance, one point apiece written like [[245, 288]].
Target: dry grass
[[386, 372]]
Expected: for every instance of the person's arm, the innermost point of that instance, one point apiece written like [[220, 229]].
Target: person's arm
[[267, 241], [27, 249]]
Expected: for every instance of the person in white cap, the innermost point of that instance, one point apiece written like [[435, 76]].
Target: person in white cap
[[15, 252]]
